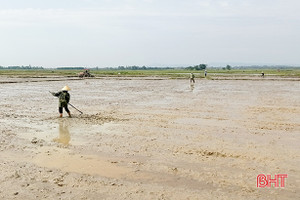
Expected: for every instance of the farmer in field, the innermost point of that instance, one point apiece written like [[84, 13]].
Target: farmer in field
[[64, 98], [262, 74], [192, 78]]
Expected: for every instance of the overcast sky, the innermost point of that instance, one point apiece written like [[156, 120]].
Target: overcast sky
[[109, 33]]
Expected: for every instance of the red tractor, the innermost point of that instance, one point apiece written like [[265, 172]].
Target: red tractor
[[85, 73]]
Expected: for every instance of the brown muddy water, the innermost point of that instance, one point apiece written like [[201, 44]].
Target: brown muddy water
[[149, 139]]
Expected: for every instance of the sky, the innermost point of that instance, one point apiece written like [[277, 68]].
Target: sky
[[111, 33]]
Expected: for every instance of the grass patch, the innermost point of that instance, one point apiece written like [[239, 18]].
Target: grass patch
[[170, 73]]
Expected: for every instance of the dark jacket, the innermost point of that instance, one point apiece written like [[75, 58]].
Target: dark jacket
[[64, 98]]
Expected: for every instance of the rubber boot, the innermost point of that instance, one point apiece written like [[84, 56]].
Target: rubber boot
[[60, 115], [69, 114]]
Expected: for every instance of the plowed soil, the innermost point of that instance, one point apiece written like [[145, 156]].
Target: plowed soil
[[140, 138]]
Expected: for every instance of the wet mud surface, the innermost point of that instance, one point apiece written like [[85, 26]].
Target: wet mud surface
[[149, 139]]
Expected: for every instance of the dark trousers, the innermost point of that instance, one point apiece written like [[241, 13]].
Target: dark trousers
[[60, 109]]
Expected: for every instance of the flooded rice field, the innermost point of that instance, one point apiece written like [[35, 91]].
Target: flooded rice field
[[143, 138]]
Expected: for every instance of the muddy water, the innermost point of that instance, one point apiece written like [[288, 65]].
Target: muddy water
[[150, 139], [64, 134]]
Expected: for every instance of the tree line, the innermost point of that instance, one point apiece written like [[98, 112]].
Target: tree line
[[197, 67], [21, 67], [135, 67]]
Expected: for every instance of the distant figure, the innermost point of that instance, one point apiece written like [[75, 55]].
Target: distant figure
[[64, 98], [192, 78], [262, 74], [205, 73]]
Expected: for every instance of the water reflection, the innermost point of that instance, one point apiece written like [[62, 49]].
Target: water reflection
[[64, 134], [192, 86]]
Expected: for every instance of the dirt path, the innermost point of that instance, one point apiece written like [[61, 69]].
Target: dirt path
[[149, 139]]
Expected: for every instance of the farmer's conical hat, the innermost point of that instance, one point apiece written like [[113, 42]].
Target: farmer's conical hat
[[66, 88]]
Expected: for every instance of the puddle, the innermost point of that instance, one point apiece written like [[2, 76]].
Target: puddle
[[64, 131], [64, 160], [64, 134]]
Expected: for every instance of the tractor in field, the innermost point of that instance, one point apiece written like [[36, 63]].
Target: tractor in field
[[85, 73]]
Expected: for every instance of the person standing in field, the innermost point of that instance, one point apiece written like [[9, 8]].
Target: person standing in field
[[262, 74], [63, 98], [192, 78], [205, 73]]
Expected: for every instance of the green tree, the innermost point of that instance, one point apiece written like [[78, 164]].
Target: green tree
[[197, 67], [203, 66], [228, 67]]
